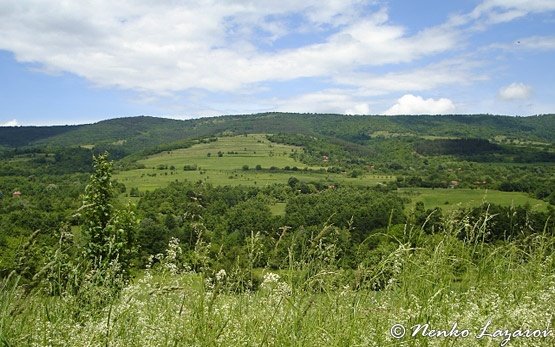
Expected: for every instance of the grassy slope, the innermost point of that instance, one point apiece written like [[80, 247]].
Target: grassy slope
[[252, 150], [255, 149], [451, 199]]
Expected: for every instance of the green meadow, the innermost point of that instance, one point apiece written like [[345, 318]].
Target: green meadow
[[225, 162], [451, 199], [278, 208]]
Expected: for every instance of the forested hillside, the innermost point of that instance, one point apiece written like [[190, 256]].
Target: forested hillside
[[24, 136], [136, 133]]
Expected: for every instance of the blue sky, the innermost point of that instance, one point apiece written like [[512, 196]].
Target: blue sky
[[63, 62]]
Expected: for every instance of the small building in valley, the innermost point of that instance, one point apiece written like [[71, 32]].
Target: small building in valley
[[16, 194]]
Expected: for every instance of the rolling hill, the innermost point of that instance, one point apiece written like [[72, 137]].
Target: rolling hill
[[138, 133]]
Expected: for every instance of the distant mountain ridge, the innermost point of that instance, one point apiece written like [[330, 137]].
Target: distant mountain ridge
[[132, 134], [25, 135]]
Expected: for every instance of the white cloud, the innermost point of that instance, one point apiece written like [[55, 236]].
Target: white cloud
[[500, 11], [10, 123], [541, 43], [233, 48], [163, 47], [516, 5], [327, 101], [533, 43], [451, 72], [413, 105], [491, 12], [515, 91], [359, 109]]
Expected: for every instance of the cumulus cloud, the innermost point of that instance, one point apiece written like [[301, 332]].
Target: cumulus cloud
[[10, 123], [515, 91], [167, 50], [410, 104], [358, 109], [164, 47]]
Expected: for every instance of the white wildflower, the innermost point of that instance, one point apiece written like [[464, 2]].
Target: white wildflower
[[269, 279], [220, 275]]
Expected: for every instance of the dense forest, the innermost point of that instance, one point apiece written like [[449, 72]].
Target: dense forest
[[137, 133]]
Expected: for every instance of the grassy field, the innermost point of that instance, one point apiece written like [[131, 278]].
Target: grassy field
[[450, 199], [255, 149], [227, 169], [278, 208]]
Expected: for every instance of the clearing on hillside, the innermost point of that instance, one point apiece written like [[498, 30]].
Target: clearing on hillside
[[233, 160], [451, 199]]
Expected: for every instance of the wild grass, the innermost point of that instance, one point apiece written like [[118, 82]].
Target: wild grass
[[439, 279]]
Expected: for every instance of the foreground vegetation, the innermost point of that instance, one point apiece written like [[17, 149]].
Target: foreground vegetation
[[437, 279]]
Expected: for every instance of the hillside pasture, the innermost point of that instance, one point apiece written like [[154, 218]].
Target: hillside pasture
[[233, 161], [451, 199]]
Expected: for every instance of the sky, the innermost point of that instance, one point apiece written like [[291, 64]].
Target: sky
[[73, 62]]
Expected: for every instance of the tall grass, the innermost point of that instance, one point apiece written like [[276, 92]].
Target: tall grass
[[439, 279]]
